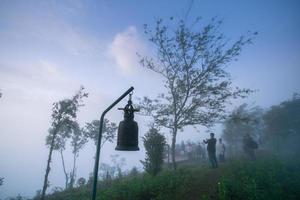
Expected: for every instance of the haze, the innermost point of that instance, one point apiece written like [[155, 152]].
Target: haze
[[49, 48]]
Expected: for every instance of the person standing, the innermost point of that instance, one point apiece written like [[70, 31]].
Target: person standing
[[211, 149], [221, 150], [249, 146]]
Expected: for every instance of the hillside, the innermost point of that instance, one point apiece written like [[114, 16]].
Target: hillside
[[265, 178]]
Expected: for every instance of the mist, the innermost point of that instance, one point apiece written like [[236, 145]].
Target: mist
[[50, 49]]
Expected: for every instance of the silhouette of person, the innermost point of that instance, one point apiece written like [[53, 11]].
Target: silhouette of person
[[249, 146], [211, 149], [221, 150]]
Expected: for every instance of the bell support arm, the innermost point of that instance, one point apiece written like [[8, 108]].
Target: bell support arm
[[96, 166]]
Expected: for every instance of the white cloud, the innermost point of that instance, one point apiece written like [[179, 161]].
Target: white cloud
[[124, 47]]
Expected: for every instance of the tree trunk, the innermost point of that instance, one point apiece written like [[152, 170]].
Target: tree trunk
[[73, 173], [64, 169], [173, 148], [48, 167]]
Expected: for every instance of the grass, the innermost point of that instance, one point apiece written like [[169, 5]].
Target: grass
[[266, 178]]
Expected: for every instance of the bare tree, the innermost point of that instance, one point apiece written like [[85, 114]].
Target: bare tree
[[192, 60], [64, 115]]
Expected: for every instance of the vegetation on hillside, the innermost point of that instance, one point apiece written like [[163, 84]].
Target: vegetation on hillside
[[266, 178]]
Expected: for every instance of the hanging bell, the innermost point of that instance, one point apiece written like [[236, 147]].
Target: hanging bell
[[128, 129]]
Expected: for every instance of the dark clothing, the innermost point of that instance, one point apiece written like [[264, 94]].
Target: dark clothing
[[249, 146], [213, 159], [211, 145], [211, 149], [221, 157]]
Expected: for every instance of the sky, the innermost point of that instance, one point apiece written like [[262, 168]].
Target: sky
[[49, 48]]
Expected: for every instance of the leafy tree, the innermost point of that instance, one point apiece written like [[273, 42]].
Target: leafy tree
[[282, 125], [243, 120], [192, 60], [154, 144], [108, 134], [64, 116]]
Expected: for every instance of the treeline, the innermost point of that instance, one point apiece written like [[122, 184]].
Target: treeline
[[276, 129]]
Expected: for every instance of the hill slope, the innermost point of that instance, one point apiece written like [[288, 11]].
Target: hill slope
[[265, 178]]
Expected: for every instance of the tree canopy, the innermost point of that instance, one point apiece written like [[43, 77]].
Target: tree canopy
[[192, 59]]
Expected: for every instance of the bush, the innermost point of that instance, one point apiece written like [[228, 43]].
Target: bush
[[154, 144], [263, 179]]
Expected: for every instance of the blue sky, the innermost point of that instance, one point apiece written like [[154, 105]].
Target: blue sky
[[49, 48]]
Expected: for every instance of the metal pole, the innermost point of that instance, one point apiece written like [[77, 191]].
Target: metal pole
[[96, 166]]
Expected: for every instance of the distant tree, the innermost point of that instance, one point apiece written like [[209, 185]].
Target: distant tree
[[282, 125], [182, 146], [133, 172], [108, 134], [154, 144], [19, 197], [192, 60], [37, 195], [243, 120], [118, 163], [56, 190], [108, 171], [64, 116], [1, 180], [81, 182]]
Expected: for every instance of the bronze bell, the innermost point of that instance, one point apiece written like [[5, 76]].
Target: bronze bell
[[128, 130]]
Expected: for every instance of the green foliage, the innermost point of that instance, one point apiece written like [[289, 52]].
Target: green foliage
[[267, 178], [263, 179], [154, 144], [133, 172], [166, 185], [108, 133]]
